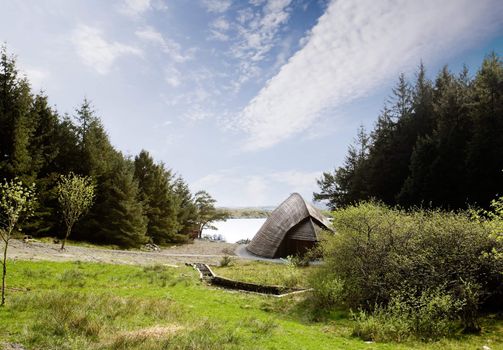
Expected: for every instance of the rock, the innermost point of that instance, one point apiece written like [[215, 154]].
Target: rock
[[151, 247]]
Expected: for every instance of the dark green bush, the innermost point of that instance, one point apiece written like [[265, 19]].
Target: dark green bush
[[379, 253]]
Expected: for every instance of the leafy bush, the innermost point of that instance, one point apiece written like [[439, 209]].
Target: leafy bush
[[379, 253], [291, 277], [430, 316], [297, 260], [328, 290], [225, 261]]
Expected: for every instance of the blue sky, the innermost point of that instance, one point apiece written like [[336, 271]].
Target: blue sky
[[250, 100]]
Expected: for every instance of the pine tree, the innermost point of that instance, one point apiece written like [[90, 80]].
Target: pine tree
[[44, 148], [206, 212], [157, 195], [435, 144], [187, 211], [97, 158], [15, 105], [348, 184], [97, 155], [43, 145], [124, 223], [392, 143], [484, 152]]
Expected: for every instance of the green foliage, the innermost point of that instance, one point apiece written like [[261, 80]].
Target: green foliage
[[206, 212], [15, 119], [124, 221], [44, 313], [346, 184], [493, 220], [437, 143], [266, 273], [430, 316], [157, 194], [75, 196], [298, 261], [16, 203], [379, 253], [186, 213], [328, 290], [38, 145], [225, 261]]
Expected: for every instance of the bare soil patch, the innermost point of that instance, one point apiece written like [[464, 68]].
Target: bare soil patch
[[200, 251]]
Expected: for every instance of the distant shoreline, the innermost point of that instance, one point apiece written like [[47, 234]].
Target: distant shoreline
[[247, 213]]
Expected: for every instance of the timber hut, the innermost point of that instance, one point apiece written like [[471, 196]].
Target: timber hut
[[291, 229]]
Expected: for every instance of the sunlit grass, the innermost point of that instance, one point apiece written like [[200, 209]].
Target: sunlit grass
[[102, 306], [265, 273]]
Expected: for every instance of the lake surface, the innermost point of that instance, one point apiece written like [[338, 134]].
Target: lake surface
[[234, 230]]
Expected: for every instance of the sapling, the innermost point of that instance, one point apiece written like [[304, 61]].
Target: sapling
[[75, 196], [16, 203]]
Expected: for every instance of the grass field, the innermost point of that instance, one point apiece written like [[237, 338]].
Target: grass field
[[265, 273], [101, 306]]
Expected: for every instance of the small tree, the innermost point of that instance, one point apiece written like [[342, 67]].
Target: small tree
[[75, 196], [16, 203], [206, 212]]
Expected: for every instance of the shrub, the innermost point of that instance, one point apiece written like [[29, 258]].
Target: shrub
[[379, 252], [297, 260], [429, 316], [225, 261]]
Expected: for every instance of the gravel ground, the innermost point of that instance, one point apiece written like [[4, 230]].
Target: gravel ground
[[200, 251]]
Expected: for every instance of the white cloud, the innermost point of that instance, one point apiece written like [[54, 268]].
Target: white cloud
[[150, 34], [218, 29], [257, 34], [217, 6], [135, 8], [98, 53], [172, 76], [257, 2], [172, 48], [36, 76], [221, 23], [233, 189], [196, 114], [354, 47]]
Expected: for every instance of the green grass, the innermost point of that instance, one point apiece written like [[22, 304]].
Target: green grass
[[265, 273], [101, 306]]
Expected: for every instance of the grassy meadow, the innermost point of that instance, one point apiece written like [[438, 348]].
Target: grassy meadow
[[76, 305]]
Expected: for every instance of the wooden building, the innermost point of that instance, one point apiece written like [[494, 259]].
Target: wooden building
[[291, 229]]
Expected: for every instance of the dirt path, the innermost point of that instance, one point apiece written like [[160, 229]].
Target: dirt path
[[200, 251]]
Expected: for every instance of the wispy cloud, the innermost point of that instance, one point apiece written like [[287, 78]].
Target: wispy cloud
[[172, 76], [217, 6], [219, 28], [36, 76], [257, 34], [135, 8], [98, 53], [354, 47], [172, 48]]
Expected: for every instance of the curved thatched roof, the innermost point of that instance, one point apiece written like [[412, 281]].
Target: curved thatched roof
[[294, 217]]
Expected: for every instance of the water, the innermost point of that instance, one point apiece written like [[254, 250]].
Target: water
[[234, 230]]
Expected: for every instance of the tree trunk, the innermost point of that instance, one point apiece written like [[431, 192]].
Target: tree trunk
[[68, 230], [4, 272]]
